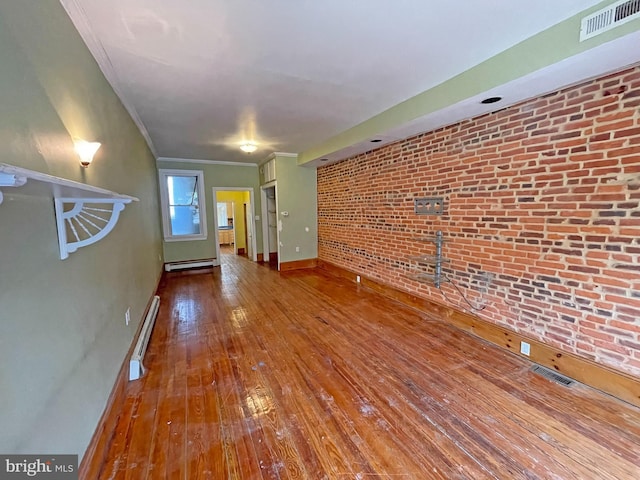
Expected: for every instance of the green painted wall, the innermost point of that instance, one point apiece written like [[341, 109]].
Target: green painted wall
[[297, 193], [542, 50], [63, 335], [215, 175]]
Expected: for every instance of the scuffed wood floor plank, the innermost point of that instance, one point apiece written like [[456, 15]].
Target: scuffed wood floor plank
[[253, 374]]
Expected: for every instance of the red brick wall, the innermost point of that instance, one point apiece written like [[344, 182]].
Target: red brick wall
[[541, 216]]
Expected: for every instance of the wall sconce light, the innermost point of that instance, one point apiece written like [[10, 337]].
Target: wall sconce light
[[248, 147], [86, 151]]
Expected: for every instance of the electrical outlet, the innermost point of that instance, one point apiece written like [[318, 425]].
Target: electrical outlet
[[525, 348], [127, 316], [297, 249], [358, 278]]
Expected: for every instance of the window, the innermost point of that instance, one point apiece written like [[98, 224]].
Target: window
[[183, 206], [222, 215]]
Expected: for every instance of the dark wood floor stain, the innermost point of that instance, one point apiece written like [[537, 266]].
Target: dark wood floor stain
[[254, 374]]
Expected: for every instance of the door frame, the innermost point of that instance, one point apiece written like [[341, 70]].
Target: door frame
[[265, 221], [254, 256]]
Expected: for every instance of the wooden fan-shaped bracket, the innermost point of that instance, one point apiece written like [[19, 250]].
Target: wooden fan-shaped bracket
[[85, 221], [84, 214]]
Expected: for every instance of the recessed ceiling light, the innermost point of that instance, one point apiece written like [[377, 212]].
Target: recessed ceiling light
[[376, 140], [248, 147], [491, 100]]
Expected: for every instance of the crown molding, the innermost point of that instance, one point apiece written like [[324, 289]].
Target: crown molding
[[79, 19], [285, 154], [206, 162], [273, 155]]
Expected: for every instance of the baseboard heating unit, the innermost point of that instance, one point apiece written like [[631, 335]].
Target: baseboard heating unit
[[136, 369], [212, 262]]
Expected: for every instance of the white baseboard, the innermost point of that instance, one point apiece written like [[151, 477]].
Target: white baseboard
[[212, 262]]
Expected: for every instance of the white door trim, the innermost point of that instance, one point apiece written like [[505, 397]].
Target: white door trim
[[253, 215], [265, 222]]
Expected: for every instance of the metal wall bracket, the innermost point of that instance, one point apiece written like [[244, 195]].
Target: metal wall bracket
[[428, 205]]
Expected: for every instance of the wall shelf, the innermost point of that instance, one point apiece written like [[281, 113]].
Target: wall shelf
[[84, 214], [434, 261], [427, 259], [424, 277]]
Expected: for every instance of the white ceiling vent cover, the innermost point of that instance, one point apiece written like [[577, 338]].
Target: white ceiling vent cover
[[610, 17]]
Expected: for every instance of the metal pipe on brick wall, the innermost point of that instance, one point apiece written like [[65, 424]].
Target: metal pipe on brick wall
[[438, 262]]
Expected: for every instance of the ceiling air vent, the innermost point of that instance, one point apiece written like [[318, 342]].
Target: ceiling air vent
[[609, 17]]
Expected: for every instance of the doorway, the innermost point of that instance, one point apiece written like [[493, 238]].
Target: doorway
[[270, 227], [234, 226]]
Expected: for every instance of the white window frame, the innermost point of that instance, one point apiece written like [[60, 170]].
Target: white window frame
[[163, 173]]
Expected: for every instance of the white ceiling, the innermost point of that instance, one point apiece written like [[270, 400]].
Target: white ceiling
[[200, 77]]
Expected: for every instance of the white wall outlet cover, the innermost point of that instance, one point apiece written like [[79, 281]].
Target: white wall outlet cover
[[257, 218], [525, 348], [297, 249], [306, 229]]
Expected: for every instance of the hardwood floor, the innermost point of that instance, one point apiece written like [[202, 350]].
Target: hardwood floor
[[255, 374]]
